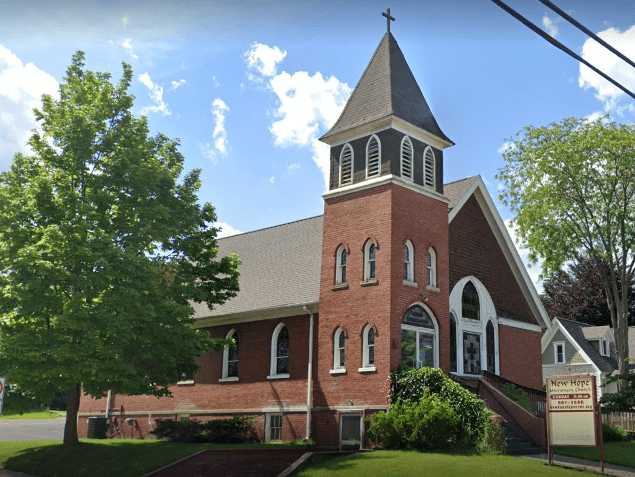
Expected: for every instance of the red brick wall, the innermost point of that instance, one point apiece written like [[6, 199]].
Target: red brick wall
[[520, 356]]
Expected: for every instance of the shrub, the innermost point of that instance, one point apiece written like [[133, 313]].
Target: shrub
[[494, 440], [234, 430], [613, 433], [624, 399], [413, 385]]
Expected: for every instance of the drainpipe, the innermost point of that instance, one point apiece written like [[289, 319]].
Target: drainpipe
[[108, 403], [309, 376]]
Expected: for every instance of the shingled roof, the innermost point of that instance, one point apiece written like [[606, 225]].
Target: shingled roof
[[280, 265], [575, 329], [387, 87]]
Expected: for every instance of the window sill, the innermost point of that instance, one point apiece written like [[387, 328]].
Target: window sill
[[433, 289], [230, 379], [370, 283], [187, 382], [338, 371], [408, 283], [368, 369], [279, 376], [340, 286]]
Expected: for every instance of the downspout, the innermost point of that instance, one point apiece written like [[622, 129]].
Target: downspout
[[309, 376], [108, 403]]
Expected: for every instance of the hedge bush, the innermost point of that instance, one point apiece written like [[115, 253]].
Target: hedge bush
[[231, 431], [613, 433]]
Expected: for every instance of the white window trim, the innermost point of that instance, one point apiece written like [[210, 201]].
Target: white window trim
[[224, 376], [338, 265], [378, 158], [268, 426], [367, 245], [432, 268], [366, 366], [412, 153], [555, 352], [273, 366], [337, 366], [411, 263], [339, 176], [361, 429], [434, 168]]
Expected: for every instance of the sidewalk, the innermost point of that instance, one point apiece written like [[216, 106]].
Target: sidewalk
[[10, 473], [587, 465]]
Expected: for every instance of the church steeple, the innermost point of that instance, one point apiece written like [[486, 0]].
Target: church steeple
[[387, 89]]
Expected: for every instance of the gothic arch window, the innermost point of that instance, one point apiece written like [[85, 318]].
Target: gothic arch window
[[406, 154], [490, 341], [346, 165], [408, 261], [429, 168], [231, 357], [280, 352], [368, 348], [453, 347], [339, 350], [470, 304], [373, 157], [370, 260], [419, 339], [341, 264], [431, 267]]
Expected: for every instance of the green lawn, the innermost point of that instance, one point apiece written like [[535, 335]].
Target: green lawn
[[35, 415], [416, 464], [97, 458], [619, 453]]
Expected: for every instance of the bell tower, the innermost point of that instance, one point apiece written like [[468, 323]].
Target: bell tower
[[385, 216]]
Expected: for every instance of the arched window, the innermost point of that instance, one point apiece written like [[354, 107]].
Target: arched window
[[406, 153], [341, 261], [490, 340], [280, 352], [470, 304], [370, 257], [429, 169], [453, 348], [339, 349], [408, 261], [431, 266], [346, 165], [419, 339], [373, 157], [368, 347], [231, 357]]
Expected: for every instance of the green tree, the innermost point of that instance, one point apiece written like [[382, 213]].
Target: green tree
[[571, 186], [103, 248]]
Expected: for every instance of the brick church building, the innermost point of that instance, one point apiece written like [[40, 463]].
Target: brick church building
[[402, 269]]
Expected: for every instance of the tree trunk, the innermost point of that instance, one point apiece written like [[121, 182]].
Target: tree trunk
[[72, 409], [618, 307]]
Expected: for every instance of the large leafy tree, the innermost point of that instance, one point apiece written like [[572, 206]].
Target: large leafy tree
[[103, 247], [571, 186]]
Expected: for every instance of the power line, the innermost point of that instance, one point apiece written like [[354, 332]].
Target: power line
[[580, 26], [559, 45]]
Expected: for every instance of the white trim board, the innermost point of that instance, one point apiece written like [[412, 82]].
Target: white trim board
[[548, 336], [256, 315], [519, 324]]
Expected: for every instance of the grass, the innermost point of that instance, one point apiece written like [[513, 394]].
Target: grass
[[416, 464], [99, 458], [46, 414], [619, 453]]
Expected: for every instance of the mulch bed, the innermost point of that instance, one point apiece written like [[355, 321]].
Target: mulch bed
[[235, 463]]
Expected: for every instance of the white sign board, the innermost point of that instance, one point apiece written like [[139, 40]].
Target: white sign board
[[2, 386], [571, 405]]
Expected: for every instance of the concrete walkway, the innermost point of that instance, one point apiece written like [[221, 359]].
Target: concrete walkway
[[587, 465]]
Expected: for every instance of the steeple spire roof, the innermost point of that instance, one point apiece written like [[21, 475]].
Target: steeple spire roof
[[387, 88]]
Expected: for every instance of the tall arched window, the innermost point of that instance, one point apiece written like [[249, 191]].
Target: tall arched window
[[429, 169], [368, 348], [453, 347], [471, 307], [370, 258], [408, 261], [231, 357], [490, 341], [346, 165], [431, 266], [280, 352], [373, 157], [341, 261], [419, 339], [339, 350], [406, 154]]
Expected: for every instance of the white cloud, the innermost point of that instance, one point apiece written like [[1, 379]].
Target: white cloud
[[219, 132], [272, 180], [611, 96], [226, 230], [215, 82], [551, 25], [126, 44], [176, 84], [534, 269], [156, 95], [308, 104], [264, 59], [294, 166], [21, 88]]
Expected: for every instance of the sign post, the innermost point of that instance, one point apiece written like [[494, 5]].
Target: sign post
[[573, 414], [2, 386]]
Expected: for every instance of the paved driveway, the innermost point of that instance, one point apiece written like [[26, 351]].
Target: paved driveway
[[31, 429]]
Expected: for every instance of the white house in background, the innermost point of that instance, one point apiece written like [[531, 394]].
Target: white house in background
[[571, 347]]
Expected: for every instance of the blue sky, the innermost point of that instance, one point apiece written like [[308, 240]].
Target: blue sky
[[248, 86]]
